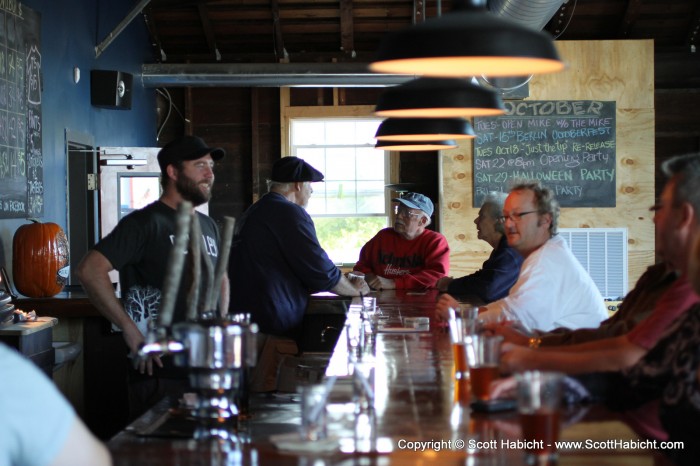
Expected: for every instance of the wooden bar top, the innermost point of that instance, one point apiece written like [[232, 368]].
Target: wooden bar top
[[422, 416], [64, 304], [75, 303]]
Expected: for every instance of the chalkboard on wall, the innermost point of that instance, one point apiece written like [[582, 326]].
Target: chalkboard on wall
[[567, 145], [21, 159]]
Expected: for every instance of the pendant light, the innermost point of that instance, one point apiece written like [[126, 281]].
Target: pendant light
[[468, 41], [424, 129], [439, 97], [415, 146]]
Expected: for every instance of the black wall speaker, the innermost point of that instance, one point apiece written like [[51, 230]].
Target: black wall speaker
[[111, 89]]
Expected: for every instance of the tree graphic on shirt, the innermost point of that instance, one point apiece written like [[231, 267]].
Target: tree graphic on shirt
[[142, 304]]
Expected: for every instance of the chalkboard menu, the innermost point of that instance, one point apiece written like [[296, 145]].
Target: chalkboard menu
[[567, 145], [21, 160]]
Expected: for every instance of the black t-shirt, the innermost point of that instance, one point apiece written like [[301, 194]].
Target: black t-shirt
[[139, 248]]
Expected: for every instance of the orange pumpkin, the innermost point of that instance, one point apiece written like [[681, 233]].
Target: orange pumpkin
[[39, 252]]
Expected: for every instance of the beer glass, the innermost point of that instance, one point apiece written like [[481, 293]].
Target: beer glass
[[483, 354], [462, 324], [539, 406]]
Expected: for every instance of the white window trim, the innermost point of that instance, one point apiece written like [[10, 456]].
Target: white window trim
[[288, 113]]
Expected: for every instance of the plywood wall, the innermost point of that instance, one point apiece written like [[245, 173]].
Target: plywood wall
[[622, 71]]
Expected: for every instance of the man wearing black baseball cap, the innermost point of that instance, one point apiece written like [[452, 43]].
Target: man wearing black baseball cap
[[138, 248], [277, 262], [194, 186]]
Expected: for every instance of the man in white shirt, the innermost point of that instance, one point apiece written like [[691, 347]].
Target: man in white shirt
[[553, 290]]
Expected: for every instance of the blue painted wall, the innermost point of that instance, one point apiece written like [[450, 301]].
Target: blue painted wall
[[69, 33]]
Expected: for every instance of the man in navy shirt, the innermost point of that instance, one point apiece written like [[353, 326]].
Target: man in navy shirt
[[277, 262]]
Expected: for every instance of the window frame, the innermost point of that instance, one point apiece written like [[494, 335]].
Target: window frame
[[327, 112]]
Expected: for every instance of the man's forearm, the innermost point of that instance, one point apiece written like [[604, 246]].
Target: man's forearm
[[595, 345], [93, 274], [101, 294], [602, 360]]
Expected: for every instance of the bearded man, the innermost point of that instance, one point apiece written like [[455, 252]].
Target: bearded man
[[138, 248]]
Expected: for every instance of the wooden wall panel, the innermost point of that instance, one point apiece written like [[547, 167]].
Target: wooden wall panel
[[224, 118], [600, 70]]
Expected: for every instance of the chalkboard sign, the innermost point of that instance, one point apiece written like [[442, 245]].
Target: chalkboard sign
[[21, 160], [567, 145]]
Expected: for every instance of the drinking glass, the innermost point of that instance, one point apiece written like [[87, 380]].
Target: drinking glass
[[313, 411], [462, 324], [539, 407], [360, 340], [365, 431], [369, 304], [483, 353]]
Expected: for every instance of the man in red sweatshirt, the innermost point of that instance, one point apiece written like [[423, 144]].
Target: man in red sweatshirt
[[407, 256]]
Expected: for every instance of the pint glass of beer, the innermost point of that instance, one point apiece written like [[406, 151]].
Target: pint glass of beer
[[539, 405], [483, 354], [462, 323]]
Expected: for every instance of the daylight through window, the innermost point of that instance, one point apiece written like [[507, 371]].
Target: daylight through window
[[351, 205]]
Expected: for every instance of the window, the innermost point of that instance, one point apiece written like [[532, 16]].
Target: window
[[136, 191], [351, 205]]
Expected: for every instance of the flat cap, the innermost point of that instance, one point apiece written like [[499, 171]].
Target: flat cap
[[291, 169]]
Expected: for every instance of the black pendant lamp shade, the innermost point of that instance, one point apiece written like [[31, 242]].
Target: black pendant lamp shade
[[469, 41], [424, 129], [414, 146], [439, 98]]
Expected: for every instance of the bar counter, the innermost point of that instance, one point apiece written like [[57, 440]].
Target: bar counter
[[421, 416], [63, 305]]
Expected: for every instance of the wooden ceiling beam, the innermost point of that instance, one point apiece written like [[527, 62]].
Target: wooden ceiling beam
[[204, 18], [156, 43], [629, 18], [676, 68], [347, 37], [418, 11], [280, 52], [693, 36], [672, 107], [560, 19]]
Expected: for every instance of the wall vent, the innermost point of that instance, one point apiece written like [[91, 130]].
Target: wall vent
[[603, 253]]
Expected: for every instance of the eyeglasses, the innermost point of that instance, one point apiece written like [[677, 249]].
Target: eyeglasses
[[404, 212], [515, 216]]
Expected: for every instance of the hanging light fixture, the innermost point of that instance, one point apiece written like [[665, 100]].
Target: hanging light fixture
[[439, 97], [414, 146], [424, 129], [469, 41]]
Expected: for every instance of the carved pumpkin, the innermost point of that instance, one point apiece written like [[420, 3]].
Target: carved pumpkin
[[39, 252]]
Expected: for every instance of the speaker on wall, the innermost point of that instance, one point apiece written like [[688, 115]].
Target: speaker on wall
[[111, 89]]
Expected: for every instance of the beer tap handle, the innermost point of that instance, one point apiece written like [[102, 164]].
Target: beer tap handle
[[175, 264], [196, 260], [208, 272], [222, 263]]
